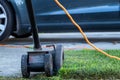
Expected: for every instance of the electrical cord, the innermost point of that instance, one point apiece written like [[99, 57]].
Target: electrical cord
[[81, 31], [14, 46]]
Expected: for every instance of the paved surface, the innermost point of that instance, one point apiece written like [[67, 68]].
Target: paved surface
[[91, 35], [67, 38], [12, 49], [10, 59]]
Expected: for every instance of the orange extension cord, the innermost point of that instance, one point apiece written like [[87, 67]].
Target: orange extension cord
[[81, 31], [14, 46]]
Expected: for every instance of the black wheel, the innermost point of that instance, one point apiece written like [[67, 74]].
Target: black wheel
[[24, 66], [48, 65], [58, 58], [6, 19], [21, 36]]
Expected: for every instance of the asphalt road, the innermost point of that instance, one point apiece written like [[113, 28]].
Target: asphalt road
[[12, 49]]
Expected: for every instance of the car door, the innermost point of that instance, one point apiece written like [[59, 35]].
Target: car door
[[92, 15]]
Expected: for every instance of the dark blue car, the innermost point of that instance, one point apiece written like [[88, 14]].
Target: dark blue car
[[92, 15]]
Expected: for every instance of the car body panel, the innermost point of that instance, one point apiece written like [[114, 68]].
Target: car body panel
[[92, 15], [23, 25]]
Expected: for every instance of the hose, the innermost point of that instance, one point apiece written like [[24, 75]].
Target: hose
[[81, 31]]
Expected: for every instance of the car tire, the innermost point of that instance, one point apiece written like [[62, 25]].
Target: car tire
[[22, 36], [6, 20]]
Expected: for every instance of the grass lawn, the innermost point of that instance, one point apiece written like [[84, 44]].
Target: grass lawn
[[84, 65]]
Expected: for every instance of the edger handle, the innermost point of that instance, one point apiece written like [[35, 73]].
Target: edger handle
[[34, 28]]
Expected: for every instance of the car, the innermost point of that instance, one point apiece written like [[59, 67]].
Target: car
[[92, 15]]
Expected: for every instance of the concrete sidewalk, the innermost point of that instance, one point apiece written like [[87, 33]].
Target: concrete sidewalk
[[66, 38], [77, 35]]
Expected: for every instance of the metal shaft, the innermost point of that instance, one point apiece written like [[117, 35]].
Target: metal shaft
[[34, 28]]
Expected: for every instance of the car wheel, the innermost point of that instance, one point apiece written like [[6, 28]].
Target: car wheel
[[6, 20]]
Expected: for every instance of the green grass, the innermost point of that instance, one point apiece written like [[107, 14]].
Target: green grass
[[90, 64], [84, 65]]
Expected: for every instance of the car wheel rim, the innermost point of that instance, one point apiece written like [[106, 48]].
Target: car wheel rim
[[3, 19]]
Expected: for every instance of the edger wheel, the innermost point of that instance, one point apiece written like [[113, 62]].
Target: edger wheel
[[58, 58], [48, 65], [24, 66]]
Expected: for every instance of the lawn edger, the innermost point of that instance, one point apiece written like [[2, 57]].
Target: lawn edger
[[40, 60], [44, 60]]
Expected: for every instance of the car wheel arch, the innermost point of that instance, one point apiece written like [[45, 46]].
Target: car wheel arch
[[16, 20]]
